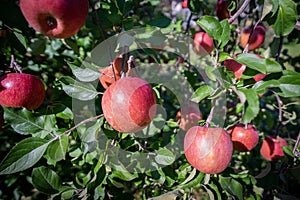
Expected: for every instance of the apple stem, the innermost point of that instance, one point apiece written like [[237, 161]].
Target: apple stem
[[132, 70], [209, 118], [279, 48], [83, 122], [295, 150], [14, 65], [239, 11]]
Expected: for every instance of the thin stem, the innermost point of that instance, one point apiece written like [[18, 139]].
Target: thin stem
[[211, 113], [295, 152], [239, 11], [280, 48], [82, 122]]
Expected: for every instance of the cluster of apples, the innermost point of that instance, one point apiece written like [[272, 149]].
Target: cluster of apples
[[55, 18], [250, 37], [210, 150], [128, 103]]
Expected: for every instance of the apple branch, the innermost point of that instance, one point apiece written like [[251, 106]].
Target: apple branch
[[295, 150], [211, 113], [83, 122], [239, 11]]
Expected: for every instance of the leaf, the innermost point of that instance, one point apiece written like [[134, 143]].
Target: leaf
[[252, 61], [232, 186], [65, 114], [286, 18], [24, 122], [23, 155], [21, 38], [78, 90], [289, 84], [212, 27], [57, 149], [252, 107], [225, 35], [164, 157], [201, 93], [261, 86], [46, 180], [122, 173], [86, 74], [269, 6]]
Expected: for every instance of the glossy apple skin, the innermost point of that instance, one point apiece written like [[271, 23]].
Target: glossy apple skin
[[21, 90], [257, 37], [237, 68], [184, 4], [129, 104], [107, 76], [271, 148], [209, 150], [222, 10], [244, 138], [203, 43], [55, 18], [189, 115]]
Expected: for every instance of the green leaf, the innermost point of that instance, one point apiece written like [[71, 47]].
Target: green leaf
[[252, 106], [286, 18], [46, 180], [164, 157], [201, 93], [21, 38], [23, 155], [65, 114], [78, 90], [290, 84], [225, 35], [212, 27], [119, 171], [252, 61], [86, 73], [57, 149], [24, 122], [195, 6], [232, 186], [269, 6], [71, 44], [261, 86]]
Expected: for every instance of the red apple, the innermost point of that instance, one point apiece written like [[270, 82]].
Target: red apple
[[107, 75], [222, 10], [21, 90], [189, 115], [184, 4], [55, 18], [237, 68], [208, 149], [203, 43], [244, 138], [129, 104], [257, 37], [271, 148], [259, 77]]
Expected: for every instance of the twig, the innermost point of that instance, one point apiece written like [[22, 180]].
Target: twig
[[211, 113], [82, 122], [279, 48], [295, 151], [297, 26], [239, 11]]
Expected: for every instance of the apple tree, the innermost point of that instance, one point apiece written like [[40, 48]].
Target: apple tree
[[149, 99]]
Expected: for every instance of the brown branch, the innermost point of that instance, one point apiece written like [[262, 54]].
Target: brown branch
[[297, 26], [82, 122], [239, 11]]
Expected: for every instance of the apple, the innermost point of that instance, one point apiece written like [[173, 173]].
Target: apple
[[271, 148], [184, 4], [257, 37], [129, 104], [259, 77], [209, 150], [21, 90], [222, 10], [244, 138], [107, 74], [203, 43], [237, 68], [188, 115], [55, 18]]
